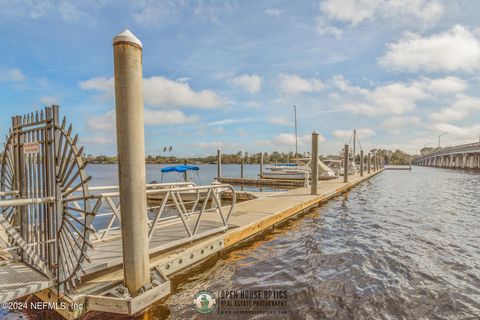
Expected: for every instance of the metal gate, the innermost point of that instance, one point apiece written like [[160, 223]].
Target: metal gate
[[41, 167]]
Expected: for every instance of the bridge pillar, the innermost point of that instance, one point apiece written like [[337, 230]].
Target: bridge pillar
[[345, 164], [127, 50], [314, 176]]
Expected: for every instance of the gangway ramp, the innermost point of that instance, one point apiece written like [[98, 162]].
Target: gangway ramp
[[17, 280]]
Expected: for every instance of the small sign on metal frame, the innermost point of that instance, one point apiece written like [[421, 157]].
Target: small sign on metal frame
[[31, 147]]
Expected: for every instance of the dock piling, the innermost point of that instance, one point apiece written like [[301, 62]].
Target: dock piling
[[345, 164], [219, 163], [369, 162], [242, 163], [127, 50], [314, 177], [362, 163], [261, 166]]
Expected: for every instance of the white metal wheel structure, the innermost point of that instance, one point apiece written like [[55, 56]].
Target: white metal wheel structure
[[41, 167]]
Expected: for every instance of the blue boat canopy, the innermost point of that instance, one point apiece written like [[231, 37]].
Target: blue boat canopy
[[180, 168]]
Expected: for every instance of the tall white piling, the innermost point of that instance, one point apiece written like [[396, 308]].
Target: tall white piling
[[314, 176], [345, 164], [127, 51], [219, 163]]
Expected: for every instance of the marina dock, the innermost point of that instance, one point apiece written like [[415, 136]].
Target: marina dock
[[104, 272], [113, 249]]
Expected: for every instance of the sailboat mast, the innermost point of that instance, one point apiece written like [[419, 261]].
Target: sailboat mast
[[296, 139], [354, 143]]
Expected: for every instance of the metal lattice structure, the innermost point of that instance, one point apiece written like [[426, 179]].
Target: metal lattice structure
[[41, 167]]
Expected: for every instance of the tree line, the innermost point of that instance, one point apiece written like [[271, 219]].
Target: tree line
[[396, 157]]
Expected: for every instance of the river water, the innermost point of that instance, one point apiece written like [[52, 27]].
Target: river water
[[107, 175], [403, 245]]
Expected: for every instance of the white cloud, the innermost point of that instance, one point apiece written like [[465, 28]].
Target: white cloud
[[273, 12], [460, 109], [446, 85], [161, 92], [293, 84], [345, 134], [352, 11], [101, 84], [457, 135], [106, 121], [288, 139], [168, 117], [322, 27], [102, 122], [218, 144], [49, 100], [11, 75], [98, 139], [454, 50], [250, 83], [394, 124], [280, 121], [394, 98], [67, 10], [229, 121], [403, 11]]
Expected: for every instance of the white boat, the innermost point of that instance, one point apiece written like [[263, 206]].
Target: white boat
[[300, 170], [337, 166]]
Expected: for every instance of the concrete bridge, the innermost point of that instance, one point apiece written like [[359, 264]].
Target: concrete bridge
[[463, 156]]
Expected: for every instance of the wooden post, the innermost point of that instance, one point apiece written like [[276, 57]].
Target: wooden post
[[369, 162], [314, 176], [345, 164], [242, 163], [362, 162], [261, 165], [219, 163], [127, 50], [185, 175]]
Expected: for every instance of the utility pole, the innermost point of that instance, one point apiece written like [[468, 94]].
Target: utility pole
[[439, 136]]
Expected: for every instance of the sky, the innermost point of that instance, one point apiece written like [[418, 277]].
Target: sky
[[227, 73]]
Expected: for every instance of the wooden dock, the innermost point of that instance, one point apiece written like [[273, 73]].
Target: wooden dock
[[248, 219]]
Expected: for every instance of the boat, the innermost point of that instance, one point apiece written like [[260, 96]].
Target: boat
[[300, 170], [181, 171], [337, 166]]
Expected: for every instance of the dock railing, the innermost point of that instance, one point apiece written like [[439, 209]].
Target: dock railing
[[167, 204]]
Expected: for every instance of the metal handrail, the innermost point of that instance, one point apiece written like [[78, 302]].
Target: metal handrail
[[172, 197], [202, 194]]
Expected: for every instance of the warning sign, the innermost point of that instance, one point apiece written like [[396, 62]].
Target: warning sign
[[31, 147]]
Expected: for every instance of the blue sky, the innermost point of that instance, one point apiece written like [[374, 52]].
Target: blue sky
[[227, 73]]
